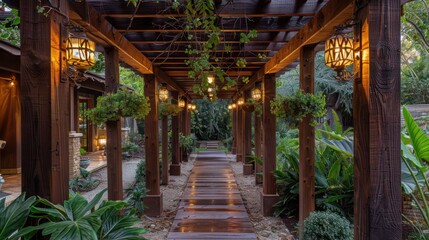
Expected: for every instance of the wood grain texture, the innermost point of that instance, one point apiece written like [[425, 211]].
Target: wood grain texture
[[113, 130], [269, 136], [258, 146], [376, 110], [211, 206], [151, 136], [247, 133], [306, 139], [175, 135], [240, 140], [164, 150], [234, 131], [44, 116]]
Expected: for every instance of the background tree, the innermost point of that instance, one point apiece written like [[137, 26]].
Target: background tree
[[211, 120]]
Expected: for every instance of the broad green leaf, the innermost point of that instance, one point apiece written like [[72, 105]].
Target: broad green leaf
[[419, 139]]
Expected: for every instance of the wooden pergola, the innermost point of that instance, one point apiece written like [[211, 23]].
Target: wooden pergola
[[287, 31]]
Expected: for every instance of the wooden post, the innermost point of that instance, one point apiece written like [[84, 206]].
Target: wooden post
[[269, 192], [258, 153], [164, 150], [113, 131], [247, 140], [175, 154], [184, 154], [154, 197], [234, 132], [239, 134], [376, 113], [44, 100], [306, 140]]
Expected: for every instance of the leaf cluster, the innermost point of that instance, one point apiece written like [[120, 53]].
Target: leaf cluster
[[167, 109], [123, 103], [9, 27], [296, 107], [327, 226]]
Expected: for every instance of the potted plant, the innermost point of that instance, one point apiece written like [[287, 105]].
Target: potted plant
[[296, 107], [84, 160]]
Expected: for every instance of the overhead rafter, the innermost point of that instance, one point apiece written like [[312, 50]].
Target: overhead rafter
[[316, 30], [161, 75], [87, 17]]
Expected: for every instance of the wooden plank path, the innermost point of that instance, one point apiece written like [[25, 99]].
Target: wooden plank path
[[211, 206]]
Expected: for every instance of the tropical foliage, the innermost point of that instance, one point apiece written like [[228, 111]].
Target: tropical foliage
[[136, 193], [167, 109], [415, 156], [187, 143], [9, 28], [14, 216], [333, 172], [212, 121], [79, 219]]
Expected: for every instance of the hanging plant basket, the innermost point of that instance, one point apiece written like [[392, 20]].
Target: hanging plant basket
[[296, 107], [167, 109], [113, 106]]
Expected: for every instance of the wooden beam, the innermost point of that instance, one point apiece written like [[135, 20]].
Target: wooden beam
[[234, 131], [316, 30], [306, 140], [269, 189], [376, 119], [88, 18], [175, 154], [247, 139], [44, 100], [164, 150], [229, 73], [153, 199], [239, 133], [258, 146], [113, 130]]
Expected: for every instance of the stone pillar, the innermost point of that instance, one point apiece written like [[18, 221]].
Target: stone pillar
[[74, 153]]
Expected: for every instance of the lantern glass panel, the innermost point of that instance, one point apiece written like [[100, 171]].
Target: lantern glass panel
[[80, 52], [339, 52]]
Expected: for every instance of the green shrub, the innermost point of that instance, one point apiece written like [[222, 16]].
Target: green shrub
[[136, 193], [327, 226], [84, 183]]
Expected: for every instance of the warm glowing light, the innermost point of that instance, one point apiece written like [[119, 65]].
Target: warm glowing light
[[210, 79], [12, 83], [234, 105], [80, 52], [181, 103], [163, 93], [229, 106], [102, 141], [210, 90], [256, 94], [339, 52], [194, 107], [240, 101]]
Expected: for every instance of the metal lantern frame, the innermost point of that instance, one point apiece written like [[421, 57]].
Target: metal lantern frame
[[181, 103], [256, 94], [80, 52], [163, 93], [240, 101]]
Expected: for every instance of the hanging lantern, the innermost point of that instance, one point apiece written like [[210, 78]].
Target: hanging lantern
[[193, 107], [181, 103], [210, 79], [339, 53], [80, 52], [234, 105], [229, 106], [189, 106], [163, 93], [256, 94], [240, 101]]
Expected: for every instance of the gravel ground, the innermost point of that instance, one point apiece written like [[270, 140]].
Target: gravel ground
[[267, 228]]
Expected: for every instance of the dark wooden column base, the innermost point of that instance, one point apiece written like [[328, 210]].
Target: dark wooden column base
[[239, 157], [247, 169], [233, 150], [185, 157], [155, 205], [267, 202], [175, 169]]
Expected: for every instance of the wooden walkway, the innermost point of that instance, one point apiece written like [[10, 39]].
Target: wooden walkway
[[211, 206]]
